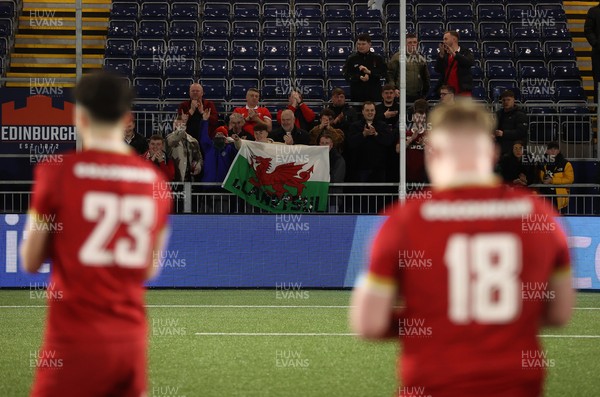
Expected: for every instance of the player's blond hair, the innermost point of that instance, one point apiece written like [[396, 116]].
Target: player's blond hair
[[465, 115]]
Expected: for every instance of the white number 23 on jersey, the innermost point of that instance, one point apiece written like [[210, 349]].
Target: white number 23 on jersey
[[109, 211]]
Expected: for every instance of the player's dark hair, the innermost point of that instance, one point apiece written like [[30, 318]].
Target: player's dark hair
[[411, 36], [507, 94], [338, 91], [106, 96], [259, 127], [388, 87], [466, 115], [364, 37]]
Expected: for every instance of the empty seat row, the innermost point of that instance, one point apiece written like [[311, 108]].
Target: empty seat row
[[491, 31], [526, 14], [282, 11]]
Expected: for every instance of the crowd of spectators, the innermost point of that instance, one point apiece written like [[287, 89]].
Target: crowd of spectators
[[362, 135]]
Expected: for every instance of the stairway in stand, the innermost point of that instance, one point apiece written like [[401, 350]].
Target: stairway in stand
[[45, 40]]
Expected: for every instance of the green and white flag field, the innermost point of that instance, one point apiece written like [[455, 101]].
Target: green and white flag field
[[281, 178]]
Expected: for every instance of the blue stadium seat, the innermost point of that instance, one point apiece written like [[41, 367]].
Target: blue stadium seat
[[116, 28], [272, 89], [274, 30], [533, 72], [7, 9], [309, 30], [338, 31], [185, 11], [393, 47], [245, 49], [473, 46], [214, 89], [148, 67], [246, 29], [497, 87], [520, 12], [576, 131], [493, 31], [393, 30], [4, 47], [459, 13], [151, 10], [338, 11], [214, 11], [309, 68], [559, 52], [147, 48], [529, 50], [500, 70], [392, 12], [335, 69], [122, 66], [214, 48], [519, 32], [239, 87], [307, 11], [551, 12], [339, 49], [246, 11], [374, 29], [363, 13], [185, 47], [430, 12], [215, 29], [491, 12], [177, 88], [124, 11], [274, 49], [343, 84], [214, 68], [312, 89], [477, 72], [378, 47], [120, 48], [566, 72], [277, 11], [429, 48], [148, 88], [184, 29], [570, 94], [245, 68], [478, 93], [497, 50], [152, 29], [542, 131], [558, 32], [180, 68], [276, 68], [308, 49], [430, 30], [466, 30]]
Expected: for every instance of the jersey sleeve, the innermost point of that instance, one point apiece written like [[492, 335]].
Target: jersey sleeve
[[383, 273], [163, 195], [46, 189]]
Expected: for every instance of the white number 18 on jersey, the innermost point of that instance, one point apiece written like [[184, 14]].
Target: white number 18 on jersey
[[481, 289]]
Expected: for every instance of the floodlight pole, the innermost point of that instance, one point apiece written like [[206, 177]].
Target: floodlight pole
[[403, 121], [78, 54]]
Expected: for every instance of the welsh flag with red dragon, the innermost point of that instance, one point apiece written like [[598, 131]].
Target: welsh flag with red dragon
[[281, 178]]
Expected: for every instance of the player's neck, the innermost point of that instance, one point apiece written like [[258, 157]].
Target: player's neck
[[107, 143], [463, 179]]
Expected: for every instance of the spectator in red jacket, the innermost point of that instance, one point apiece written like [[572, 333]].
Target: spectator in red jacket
[[304, 115], [253, 114], [194, 108], [157, 155]]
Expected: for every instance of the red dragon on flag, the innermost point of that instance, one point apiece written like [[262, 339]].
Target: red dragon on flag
[[288, 174]]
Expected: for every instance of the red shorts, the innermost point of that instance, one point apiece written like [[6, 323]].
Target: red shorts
[[91, 369]]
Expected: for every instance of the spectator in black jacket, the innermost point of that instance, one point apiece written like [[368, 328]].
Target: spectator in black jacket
[[388, 110], [343, 114], [368, 144], [454, 64], [512, 123], [364, 70], [592, 34], [514, 170], [135, 140], [288, 133]]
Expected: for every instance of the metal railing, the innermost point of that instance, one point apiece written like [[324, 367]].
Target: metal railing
[[343, 198]]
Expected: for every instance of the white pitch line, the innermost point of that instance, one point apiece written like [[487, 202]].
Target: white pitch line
[[342, 334], [272, 334], [249, 306]]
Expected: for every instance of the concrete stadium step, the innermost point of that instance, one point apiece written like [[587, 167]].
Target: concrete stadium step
[[27, 22], [66, 3], [43, 68], [23, 49], [59, 40], [55, 59], [576, 12]]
